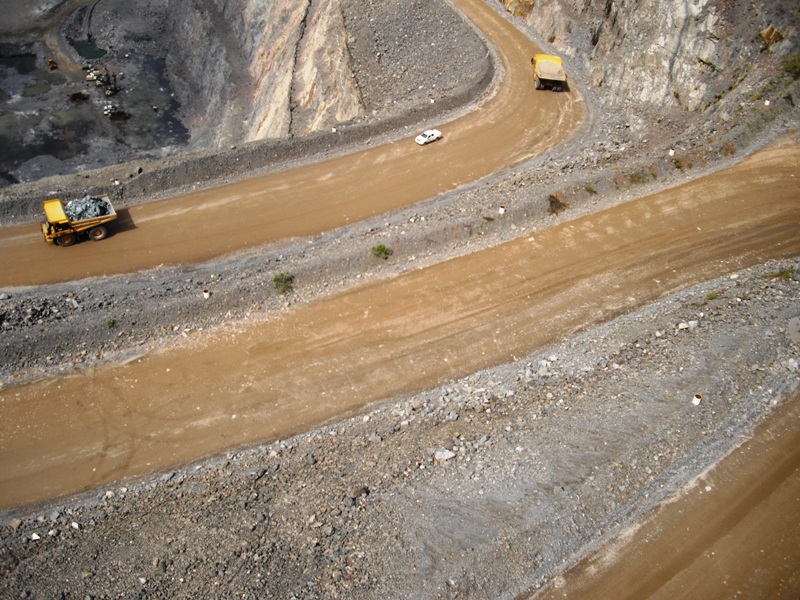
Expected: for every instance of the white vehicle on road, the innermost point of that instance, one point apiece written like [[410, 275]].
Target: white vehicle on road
[[426, 137]]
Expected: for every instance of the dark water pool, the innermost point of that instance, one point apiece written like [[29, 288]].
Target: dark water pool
[[23, 64], [88, 49]]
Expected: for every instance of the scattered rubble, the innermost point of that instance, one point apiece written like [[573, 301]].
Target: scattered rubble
[[480, 487], [466, 490]]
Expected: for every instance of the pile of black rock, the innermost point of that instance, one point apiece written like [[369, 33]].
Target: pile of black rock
[[88, 207]]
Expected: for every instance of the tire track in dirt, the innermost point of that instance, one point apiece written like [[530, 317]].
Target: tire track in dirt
[[261, 381], [512, 126]]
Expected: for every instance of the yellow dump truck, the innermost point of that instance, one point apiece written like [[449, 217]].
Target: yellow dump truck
[[64, 222], [548, 72]]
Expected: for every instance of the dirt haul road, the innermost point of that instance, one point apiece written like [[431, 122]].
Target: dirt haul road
[[514, 125], [250, 383], [693, 548]]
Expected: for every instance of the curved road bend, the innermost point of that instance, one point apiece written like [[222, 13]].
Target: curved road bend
[[255, 382], [514, 125]]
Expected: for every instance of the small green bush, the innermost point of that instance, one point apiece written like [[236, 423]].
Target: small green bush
[[681, 163], [784, 274], [381, 251], [637, 178], [283, 282], [111, 323], [712, 296], [590, 188]]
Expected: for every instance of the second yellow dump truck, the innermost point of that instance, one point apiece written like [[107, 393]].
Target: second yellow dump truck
[[548, 72], [64, 222]]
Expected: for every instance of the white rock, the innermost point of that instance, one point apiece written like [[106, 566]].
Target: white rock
[[443, 455]]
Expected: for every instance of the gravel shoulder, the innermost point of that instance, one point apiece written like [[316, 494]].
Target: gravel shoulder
[[482, 487]]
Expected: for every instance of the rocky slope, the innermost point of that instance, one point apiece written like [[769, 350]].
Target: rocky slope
[[304, 78], [480, 488], [691, 56], [227, 73], [489, 484]]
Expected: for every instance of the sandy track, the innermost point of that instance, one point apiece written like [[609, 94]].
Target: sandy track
[[731, 533], [514, 125], [263, 381]]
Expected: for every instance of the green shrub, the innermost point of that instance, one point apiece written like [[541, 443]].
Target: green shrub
[[111, 323], [381, 251], [681, 163], [637, 178], [283, 282], [784, 274], [590, 188], [712, 296]]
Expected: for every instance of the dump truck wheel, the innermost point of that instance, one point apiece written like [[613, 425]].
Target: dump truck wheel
[[98, 233], [67, 239], [538, 82]]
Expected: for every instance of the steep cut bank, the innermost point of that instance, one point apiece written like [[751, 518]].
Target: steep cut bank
[[691, 56], [210, 74], [252, 70]]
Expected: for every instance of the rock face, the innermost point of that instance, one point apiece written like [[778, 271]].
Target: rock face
[[263, 66], [294, 64], [325, 91], [251, 70], [665, 52]]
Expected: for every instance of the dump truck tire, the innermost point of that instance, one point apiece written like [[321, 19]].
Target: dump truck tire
[[68, 239], [538, 82], [98, 233]]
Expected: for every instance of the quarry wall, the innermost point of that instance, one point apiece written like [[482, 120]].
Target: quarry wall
[[682, 53]]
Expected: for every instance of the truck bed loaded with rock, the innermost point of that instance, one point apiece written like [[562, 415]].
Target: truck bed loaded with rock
[[64, 222]]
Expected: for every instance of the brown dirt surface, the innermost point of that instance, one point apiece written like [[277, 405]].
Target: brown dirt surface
[[355, 348], [207, 224], [465, 419]]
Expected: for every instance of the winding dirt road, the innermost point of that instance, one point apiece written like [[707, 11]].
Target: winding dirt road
[[267, 380], [233, 388], [514, 125]]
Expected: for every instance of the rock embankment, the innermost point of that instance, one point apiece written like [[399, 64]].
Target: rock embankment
[[479, 488]]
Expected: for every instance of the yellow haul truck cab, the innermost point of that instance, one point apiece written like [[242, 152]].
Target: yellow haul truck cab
[[62, 230], [548, 73]]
